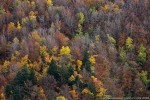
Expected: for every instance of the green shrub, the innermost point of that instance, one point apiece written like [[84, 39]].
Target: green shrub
[[81, 20], [141, 58], [129, 44], [144, 77]]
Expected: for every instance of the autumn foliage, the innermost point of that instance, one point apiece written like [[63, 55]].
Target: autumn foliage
[[74, 49]]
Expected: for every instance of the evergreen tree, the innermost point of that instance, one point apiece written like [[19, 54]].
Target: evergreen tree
[[129, 44], [78, 83], [22, 76], [64, 75], [18, 79], [32, 76], [8, 90], [15, 88], [85, 61], [141, 59], [53, 70], [17, 95], [25, 74]]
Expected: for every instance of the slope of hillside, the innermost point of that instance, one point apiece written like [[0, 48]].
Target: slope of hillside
[[74, 49]]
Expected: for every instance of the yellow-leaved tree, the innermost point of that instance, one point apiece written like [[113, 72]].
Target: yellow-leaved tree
[[32, 15], [11, 26], [45, 54], [65, 50], [24, 61], [79, 64], [18, 26], [100, 90], [86, 91], [5, 66], [61, 98], [129, 44], [49, 3], [92, 60]]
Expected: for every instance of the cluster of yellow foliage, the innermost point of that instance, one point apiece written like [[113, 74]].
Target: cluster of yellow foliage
[[5, 66], [37, 37], [43, 50], [115, 7], [32, 15], [79, 64], [65, 50], [32, 3], [129, 43], [49, 3], [92, 60], [94, 79], [80, 77], [106, 7], [24, 61], [61, 98], [101, 92], [19, 26], [87, 91], [76, 74], [42, 94], [45, 54], [54, 50], [30, 65], [99, 87], [111, 6], [11, 26], [72, 78]]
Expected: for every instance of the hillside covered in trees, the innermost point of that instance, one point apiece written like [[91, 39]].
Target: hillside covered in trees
[[74, 49]]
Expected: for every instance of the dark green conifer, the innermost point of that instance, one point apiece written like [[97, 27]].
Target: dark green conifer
[[53, 70]]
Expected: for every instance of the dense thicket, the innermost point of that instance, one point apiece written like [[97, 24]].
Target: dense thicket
[[74, 49]]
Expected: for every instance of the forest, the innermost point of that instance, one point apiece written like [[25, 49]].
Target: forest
[[74, 49]]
